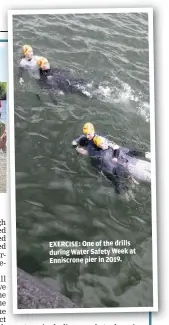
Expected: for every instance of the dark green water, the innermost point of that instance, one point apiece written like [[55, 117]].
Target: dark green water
[[58, 195]]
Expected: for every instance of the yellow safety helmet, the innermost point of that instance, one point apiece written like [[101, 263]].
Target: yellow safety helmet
[[42, 62], [88, 128], [98, 140], [26, 48]]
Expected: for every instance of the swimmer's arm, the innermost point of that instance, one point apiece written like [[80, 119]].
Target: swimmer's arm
[[115, 151], [20, 75], [21, 71], [79, 145], [82, 151], [113, 145], [80, 141]]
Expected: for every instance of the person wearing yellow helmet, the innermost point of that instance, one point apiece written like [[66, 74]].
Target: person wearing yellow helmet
[[101, 142], [101, 156], [104, 144], [53, 80], [89, 130], [85, 140], [93, 141], [32, 63]]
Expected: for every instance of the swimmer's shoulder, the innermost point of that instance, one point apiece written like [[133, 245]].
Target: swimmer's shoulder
[[22, 62]]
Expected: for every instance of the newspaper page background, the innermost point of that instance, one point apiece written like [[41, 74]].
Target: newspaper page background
[[161, 118]]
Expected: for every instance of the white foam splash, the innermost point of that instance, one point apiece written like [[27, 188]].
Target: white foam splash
[[144, 111], [123, 93]]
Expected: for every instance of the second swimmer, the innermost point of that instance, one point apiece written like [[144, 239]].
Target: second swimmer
[[51, 79]]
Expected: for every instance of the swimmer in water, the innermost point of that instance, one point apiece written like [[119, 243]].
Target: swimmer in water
[[104, 144], [51, 79], [32, 63], [102, 157], [87, 140], [133, 160]]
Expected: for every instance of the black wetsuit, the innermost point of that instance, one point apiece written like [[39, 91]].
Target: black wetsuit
[[55, 80], [89, 144], [84, 142], [116, 173], [102, 161]]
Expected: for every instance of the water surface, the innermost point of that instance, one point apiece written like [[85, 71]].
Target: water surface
[[58, 195]]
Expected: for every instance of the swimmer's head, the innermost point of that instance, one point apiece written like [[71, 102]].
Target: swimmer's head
[[88, 130], [27, 51], [100, 142], [43, 63]]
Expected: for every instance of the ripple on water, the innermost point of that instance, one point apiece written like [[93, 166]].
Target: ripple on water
[[59, 195]]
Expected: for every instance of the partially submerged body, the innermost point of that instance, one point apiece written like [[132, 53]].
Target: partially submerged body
[[61, 80], [53, 80], [115, 172], [136, 164], [130, 160], [31, 63], [105, 162]]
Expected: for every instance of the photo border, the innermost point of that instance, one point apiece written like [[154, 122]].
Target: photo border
[[4, 39], [82, 310]]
